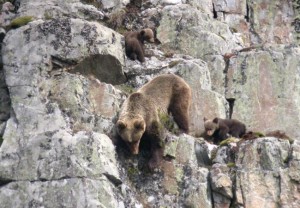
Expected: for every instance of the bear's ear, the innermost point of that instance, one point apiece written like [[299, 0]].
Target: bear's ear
[[121, 125], [216, 120], [139, 125], [205, 119]]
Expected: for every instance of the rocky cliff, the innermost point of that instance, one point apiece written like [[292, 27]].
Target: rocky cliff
[[64, 77]]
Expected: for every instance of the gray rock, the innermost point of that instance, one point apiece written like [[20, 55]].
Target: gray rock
[[58, 9], [73, 192], [264, 107]]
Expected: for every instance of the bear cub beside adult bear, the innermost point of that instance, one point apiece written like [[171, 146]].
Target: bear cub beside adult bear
[[140, 114], [134, 43], [221, 129]]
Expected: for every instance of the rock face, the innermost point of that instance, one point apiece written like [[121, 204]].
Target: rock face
[[64, 77]]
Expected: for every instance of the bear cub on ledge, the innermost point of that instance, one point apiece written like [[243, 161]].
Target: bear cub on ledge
[[221, 129], [139, 116], [134, 43]]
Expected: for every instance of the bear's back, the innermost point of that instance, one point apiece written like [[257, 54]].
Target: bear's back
[[161, 89]]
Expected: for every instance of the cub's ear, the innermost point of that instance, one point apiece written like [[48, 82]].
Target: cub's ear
[[216, 120], [121, 125], [205, 119], [139, 125]]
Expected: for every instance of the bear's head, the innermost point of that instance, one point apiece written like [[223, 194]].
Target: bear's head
[[211, 126], [131, 131], [147, 35]]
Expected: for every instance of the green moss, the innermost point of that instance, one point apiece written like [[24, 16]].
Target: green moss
[[126, 88], [228, 141], [213, 154], [168, 122], [20, 21], [48, 16], [231, 164], [174, 63], [258, 134], [131, 171]]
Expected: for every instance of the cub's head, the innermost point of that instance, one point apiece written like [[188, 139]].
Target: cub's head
[[211, 126], [147, 35], [131, 131]]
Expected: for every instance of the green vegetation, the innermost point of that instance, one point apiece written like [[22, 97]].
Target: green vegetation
[[174, 63], [213, 154], [1, 140], [131, 171], [20, 21], [229, 140], [258, 134], [48, 16], [116, 20], [168, 122], [126, 88], [231, 164]]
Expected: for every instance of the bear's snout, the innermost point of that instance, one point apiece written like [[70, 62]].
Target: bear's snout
[[134, 147]]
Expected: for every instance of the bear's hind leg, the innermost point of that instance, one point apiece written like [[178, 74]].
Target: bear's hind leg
[[179, 108]]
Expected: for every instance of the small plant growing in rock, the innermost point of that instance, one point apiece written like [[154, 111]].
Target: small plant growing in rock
[[116, 20], [48, 16], [126, 88], [174, 63], [20, 21], [229, 140], [231, 164], [213, 153], [168, 122]]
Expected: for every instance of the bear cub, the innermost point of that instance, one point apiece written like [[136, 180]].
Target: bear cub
[[134, 43], [140, 114], [221, 129]]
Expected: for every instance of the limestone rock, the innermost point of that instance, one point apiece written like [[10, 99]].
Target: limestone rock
[[262, 86], [186, 30], [267, 163], [58, 9]]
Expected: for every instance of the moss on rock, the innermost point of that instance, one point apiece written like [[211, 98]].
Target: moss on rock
[[20, 21]]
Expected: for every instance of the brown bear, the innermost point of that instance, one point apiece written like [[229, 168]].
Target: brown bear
[[140, 114], [221, 129], [134, 43]]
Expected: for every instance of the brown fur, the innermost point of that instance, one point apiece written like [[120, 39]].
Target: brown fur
[[140, 113], [221, 129], [250, 135], [134, 43], [278, 134]]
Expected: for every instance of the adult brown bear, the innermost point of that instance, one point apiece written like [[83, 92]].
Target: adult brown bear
[[140, 113]]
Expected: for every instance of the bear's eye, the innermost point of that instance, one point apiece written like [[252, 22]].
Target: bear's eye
[[121, 125], [138, 125]]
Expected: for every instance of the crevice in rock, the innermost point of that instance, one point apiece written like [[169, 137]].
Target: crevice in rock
[[231, 105], [226, 81], [59, 63], [209, 181], [255, 37], [5, 101], [3, 182], [247, 17], [113, 179], [215, 14]]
